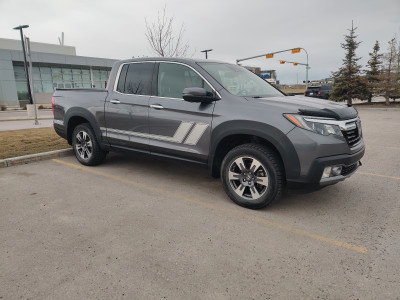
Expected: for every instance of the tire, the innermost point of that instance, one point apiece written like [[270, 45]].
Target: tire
[[86, 148], [252, 176]]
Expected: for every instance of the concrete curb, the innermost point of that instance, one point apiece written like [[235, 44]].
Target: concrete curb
[[20, 160], [377, 108], [25, 119]]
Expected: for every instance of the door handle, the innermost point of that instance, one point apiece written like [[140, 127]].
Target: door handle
[[115, 101], [156, 106]]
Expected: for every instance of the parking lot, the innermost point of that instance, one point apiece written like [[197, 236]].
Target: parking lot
[[145, 228]]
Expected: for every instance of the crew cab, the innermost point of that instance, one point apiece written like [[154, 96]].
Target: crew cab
[[256, 139]]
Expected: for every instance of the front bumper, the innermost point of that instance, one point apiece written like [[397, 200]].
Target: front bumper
[[351, 163], [332, 180]]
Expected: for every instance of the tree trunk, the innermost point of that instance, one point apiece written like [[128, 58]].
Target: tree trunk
[[369, 98], [349, 101], [387, 100]]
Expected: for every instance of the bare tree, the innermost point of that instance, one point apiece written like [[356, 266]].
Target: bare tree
[[398, 69], [390, 75], [163, 40]]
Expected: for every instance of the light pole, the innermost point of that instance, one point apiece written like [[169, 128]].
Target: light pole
[[206, 51], [307, 67], [20, 27]]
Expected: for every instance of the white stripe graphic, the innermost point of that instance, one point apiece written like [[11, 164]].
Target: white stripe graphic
[[196, 134], [178, 137]]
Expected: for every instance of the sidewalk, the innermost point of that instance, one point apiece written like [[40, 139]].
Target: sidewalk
[[16, 120]]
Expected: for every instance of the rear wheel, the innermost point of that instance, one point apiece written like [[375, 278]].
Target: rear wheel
[[87, 149], [252, 176]]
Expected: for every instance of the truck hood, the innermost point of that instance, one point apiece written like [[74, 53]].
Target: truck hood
[[309, 106]]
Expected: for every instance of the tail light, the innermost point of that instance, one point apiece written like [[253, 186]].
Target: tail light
[[319, 93], [53, 104]]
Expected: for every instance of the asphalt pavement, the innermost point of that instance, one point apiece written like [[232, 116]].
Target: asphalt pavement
[[142, 228]]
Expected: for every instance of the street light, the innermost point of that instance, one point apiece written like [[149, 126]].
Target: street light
[[206, 51], [297, 50], [20, 27]]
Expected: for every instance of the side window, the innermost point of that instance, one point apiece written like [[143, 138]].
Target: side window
[[174, 78], [121, 80], [135, 78]]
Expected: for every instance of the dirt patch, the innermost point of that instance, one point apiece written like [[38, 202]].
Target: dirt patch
[[30, 141], [378, 105]]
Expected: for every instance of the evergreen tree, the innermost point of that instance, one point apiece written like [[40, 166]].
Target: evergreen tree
[[348, 82], [374, 72]]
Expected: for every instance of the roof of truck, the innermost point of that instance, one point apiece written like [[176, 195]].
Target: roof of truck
[[174, 59]]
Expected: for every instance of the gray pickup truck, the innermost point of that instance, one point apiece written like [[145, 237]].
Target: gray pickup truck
[[255, 138]]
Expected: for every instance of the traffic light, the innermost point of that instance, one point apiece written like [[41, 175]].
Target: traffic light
[[295, 64], [296, 50], [281, 62], [271, 55]]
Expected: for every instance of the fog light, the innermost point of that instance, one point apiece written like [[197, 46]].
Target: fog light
[[327, 172], [336, 170]]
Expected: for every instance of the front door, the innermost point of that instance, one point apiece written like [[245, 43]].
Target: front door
[[177, 126], [126, 108]]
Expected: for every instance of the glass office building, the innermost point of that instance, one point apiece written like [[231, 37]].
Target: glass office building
[[53, 66]]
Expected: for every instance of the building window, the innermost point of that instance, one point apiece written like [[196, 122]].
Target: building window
[[22, 90], [47, 79]]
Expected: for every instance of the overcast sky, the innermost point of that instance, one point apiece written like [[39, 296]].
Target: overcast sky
[[233, 29]]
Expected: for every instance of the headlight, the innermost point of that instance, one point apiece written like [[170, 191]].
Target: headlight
[[359, 127], [314, 124]]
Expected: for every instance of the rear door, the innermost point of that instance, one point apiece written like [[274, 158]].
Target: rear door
[[126, 108], [177, 127]]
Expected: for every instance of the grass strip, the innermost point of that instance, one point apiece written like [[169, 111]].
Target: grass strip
[[29, 141]]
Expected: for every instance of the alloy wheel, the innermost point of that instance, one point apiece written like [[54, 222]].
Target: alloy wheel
[[248, 177], [83, 145]]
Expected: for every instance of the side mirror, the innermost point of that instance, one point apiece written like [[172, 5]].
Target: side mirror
[[196, 94]]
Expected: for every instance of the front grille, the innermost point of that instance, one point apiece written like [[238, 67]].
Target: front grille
[[352, 137], [349, 169]]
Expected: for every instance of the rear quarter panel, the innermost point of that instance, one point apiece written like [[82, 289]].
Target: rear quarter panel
[[84, 103]]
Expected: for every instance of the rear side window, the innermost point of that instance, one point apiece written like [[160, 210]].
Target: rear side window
[[313, 88], [136, 79], [121, 80], [174, 78]]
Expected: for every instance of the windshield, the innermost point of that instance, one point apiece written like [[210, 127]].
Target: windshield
[[240, 81]]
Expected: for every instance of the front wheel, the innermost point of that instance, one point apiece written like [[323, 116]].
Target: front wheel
[[252, 176], [87, 149]]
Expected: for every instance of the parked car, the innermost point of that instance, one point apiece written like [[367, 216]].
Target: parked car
[[255, 138], [322, 92]]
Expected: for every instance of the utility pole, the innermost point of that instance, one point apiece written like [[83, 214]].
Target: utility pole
[[20, 27], [28, 48]]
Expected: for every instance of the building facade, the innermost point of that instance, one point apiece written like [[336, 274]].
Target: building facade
[[53, 66]]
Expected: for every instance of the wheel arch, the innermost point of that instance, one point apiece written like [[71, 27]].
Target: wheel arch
[[77, 116], [234, 133]]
